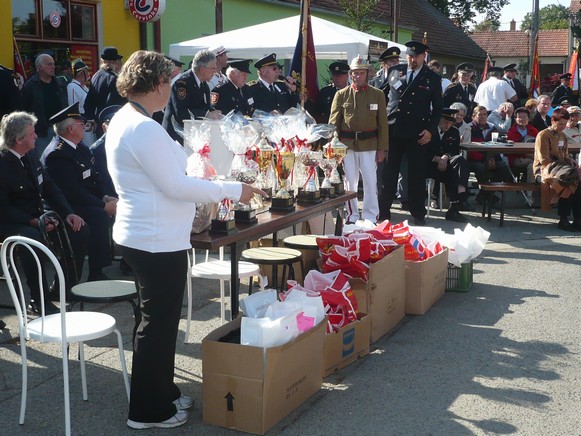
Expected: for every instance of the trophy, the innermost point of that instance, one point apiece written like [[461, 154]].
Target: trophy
[[246, 213], [263, 154], [284, 162], [310, 192], [224, 221], [336, 150], [327, 165]]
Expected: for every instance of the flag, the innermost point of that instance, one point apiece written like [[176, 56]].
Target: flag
[[19, 69], [425, 42], [574, 68], [486, 67], [535, 86], [304, 64]]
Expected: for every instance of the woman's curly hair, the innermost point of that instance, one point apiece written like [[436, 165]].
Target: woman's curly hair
[[143, 72]]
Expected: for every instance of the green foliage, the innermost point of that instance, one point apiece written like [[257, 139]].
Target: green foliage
[[464, 11], [360, 14], [550, 17], [486, 26]]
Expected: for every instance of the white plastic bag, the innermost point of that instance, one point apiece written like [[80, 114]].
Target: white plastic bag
[[255, 305]]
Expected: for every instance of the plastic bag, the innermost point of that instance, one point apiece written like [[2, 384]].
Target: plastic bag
[[255, 305], [265, 332]]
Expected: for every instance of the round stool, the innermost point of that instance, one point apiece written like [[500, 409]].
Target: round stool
[[302, 242], [275, 256]]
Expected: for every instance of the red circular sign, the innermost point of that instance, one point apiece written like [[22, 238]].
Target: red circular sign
[[147, 11], [55, 19]]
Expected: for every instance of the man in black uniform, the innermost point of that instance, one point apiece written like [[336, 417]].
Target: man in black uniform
[[446, 164], [563, 90], [414, 109], [521, 90], [190, 94], [234, 94], [463, 90], [25, 188], [269, 93], [71, 166], [388, 58], [339, 80], [9, 92], [103, 90]]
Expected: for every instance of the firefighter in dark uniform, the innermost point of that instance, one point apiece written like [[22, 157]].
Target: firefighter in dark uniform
[[9, 91], [25, 190], [103, 90], [463, 90], [521, 90], [414, 110], [563, 90], [389, 58], [340, 79], [445, 163], [270, 94], [71, 166], [190, 95], [234, 94]]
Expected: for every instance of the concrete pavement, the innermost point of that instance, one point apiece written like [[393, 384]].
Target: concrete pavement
[[500, 359]]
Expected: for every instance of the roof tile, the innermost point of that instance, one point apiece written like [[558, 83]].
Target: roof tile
[[516, 43]]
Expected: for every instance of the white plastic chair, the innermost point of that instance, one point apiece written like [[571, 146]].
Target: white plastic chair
[[430, 187], [64, 327], [214, 269]]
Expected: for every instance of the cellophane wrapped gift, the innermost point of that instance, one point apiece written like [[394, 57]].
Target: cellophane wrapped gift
[[239, 136], [199, 166]]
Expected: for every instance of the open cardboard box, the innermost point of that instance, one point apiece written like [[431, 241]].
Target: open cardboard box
[[346, 345], [425, 283], [383, 297], [250, 388]]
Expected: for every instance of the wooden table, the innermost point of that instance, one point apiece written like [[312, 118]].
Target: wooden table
[[268, 223], [512, 148]]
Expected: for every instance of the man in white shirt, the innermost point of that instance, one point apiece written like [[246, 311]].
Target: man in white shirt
[[493, 92], [219, 78], [77, 91]]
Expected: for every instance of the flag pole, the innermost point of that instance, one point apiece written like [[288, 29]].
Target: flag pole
[[304, 50], [19, 58]]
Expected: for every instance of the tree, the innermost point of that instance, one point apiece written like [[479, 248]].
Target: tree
[[464, 11], [486, 26], [550, 17], [360, 14]]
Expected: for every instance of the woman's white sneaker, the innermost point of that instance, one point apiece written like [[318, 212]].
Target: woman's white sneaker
[[178, 419], [184, 402]]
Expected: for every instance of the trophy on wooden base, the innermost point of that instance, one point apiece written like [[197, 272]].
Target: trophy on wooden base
[[224, 221], [246, 213], [310, 193], [327, 189], [336, 150], [283, 200], [264, 152]]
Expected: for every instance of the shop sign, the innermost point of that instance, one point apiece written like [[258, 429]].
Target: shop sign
[[147, 11], [55, 19]]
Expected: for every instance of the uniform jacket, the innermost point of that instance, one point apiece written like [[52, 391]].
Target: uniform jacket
[[416, 106], [521, 90], [102, 93], [186, 96], [100, 166], [361, 111], [449, 144], [324, 102], [229, 97], [538, 123], [559, 92], [9, 92], [22, 196], [73, 172], [455, 93], [280, 100], [33, 101], [380, 81]]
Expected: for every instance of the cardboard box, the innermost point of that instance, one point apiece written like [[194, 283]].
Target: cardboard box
[[250, 388], [347, 345], [383, 296], [425, 283]]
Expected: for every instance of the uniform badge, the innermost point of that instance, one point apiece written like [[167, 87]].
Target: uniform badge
[[215, 97], [181, 93]]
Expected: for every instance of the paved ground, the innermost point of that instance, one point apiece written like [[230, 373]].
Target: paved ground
[[500, 359]]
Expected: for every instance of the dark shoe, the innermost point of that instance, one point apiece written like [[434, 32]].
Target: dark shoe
[[455, 215], [565, 225], [97, 277], [464, 206], [49, 308], [405, 205], [418, 221], [384, 216], [349, 223]]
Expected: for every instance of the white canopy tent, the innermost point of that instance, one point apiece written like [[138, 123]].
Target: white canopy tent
[[332, 41]]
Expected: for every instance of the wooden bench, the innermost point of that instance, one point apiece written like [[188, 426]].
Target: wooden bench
[[503, 187]]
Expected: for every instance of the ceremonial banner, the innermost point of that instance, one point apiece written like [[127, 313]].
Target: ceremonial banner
[[304, 64]]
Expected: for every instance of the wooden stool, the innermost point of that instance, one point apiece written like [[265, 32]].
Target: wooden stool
[[275, 256], [307, 244]]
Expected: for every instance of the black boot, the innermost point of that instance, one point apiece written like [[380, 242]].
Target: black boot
[[463, 204], [453, 214]]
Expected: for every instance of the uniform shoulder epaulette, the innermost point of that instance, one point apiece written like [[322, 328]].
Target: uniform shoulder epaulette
[[252, 82]]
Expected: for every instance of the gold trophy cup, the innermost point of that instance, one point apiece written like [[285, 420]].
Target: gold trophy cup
[[284, 162], [310, 192], [336, 150]]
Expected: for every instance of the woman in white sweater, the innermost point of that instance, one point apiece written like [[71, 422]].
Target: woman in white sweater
[[152, 227]]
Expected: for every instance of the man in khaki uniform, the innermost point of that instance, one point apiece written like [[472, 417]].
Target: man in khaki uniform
[[359, 114]]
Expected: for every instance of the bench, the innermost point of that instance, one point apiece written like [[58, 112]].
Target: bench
[[503, 187]]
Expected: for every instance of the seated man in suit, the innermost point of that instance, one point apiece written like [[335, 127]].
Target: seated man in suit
[[25, 188], [234, 94], [71, 166], [446, 164], [268, 92]]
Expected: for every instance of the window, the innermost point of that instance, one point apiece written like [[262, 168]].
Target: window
[[83, 25], [55, 21], [25, 17]]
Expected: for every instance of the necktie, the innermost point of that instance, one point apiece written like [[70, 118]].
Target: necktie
[[271, 88], [411, 77], [206, 91]]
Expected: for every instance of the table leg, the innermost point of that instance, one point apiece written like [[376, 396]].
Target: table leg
[[339, 222], [234, 280], [275, 267]]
